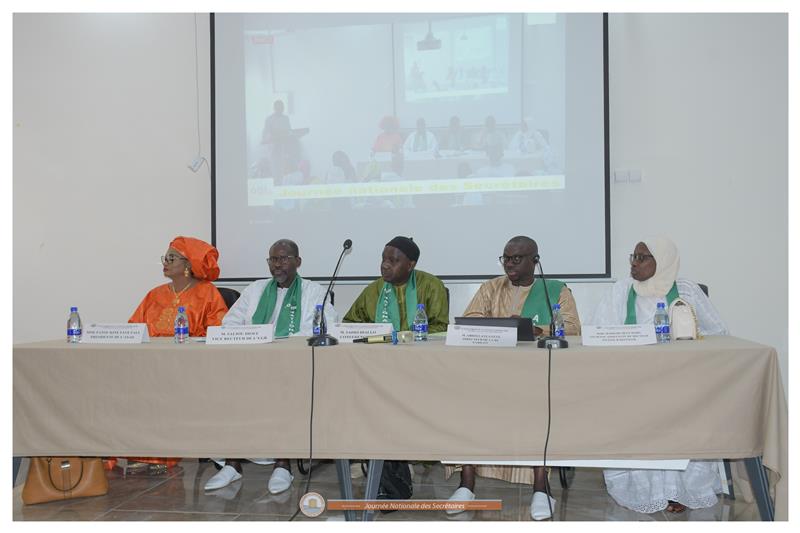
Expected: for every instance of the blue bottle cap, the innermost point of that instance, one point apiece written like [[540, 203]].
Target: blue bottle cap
[[660, 305], [73, 309], [319, 306], [181, 309], [420, 306], [556, 307]]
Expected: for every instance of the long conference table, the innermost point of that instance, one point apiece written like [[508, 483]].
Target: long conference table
[[718, 397]]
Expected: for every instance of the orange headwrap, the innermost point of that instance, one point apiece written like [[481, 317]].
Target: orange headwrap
[[201, 255], [389, 123]]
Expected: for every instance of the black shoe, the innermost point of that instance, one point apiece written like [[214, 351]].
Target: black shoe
[[383, 496]]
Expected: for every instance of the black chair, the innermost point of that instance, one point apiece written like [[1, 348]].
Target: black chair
[[229, 295]]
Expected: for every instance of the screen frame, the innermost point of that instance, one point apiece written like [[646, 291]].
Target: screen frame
[[463, 278]]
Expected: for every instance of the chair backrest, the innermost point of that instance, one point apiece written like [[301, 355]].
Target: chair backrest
[[229, 295], [703, 288]]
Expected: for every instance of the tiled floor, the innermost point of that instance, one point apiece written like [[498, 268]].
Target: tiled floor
[[179, 495]]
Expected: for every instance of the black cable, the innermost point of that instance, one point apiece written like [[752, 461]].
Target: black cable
[[547, 437], [310, 437]]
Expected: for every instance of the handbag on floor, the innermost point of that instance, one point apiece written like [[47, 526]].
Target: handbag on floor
[[396, 480], [63, 478]]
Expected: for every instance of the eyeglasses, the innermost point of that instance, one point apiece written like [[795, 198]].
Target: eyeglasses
[[639, 258], [282, 260], [169, 259], [513, 259]]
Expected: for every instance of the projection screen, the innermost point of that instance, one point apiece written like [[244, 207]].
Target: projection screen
[[458, 130]]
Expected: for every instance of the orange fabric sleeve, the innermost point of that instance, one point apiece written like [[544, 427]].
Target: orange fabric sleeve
[[216, 308], [204, 307], [144, 314]]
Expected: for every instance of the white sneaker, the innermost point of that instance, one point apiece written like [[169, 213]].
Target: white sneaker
[[462, 494], [355, 470], [540, 510], [223, 478], [280, 480]]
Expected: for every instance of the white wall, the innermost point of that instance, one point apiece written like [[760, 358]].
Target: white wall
[[104, 115], [699, 105], [104, 125]]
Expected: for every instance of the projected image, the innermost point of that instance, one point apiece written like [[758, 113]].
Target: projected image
[[452, 128], [383, 114], [456, 58]]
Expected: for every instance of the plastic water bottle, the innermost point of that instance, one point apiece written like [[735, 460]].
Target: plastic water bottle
[[558, 321], [661, 321], [318, 320], [181, 326], [420, 324], [74, 329]]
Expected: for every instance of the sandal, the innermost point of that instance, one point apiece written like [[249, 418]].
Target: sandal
[[675, 507]]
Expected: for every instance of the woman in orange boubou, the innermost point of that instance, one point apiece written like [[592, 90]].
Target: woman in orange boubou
[[191, 265]]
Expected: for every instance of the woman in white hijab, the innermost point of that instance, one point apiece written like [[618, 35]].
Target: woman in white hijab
[[654, 269]]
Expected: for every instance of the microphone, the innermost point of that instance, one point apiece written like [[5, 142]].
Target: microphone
[[551, 341], [323, 339]]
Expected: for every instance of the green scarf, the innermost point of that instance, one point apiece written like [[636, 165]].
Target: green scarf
[[535, 306], [286, 324], [387, 308], [630, 318]]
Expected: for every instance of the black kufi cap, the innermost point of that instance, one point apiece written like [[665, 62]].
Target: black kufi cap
[[405, 245]]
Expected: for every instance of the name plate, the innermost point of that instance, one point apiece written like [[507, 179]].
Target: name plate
[[253, 334], [115, 334], [461, 335], [621, 335], [347, 331]]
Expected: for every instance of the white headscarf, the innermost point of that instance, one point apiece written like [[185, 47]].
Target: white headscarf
[[667, 261]]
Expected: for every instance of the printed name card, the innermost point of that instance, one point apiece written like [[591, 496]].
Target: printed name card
[[346, 332], [253, 334], [115, 334], [621, 335], [461, 335]]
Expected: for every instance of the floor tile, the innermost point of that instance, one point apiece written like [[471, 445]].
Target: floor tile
[[724, 511], [509, 496], [261, 518], [178, 495], [166, 516]]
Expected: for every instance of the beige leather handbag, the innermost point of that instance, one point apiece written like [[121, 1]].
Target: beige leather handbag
[[63, 478], [683, 320]]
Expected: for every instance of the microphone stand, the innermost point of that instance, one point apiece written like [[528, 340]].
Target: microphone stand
[[551, 341], [323, 339]]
